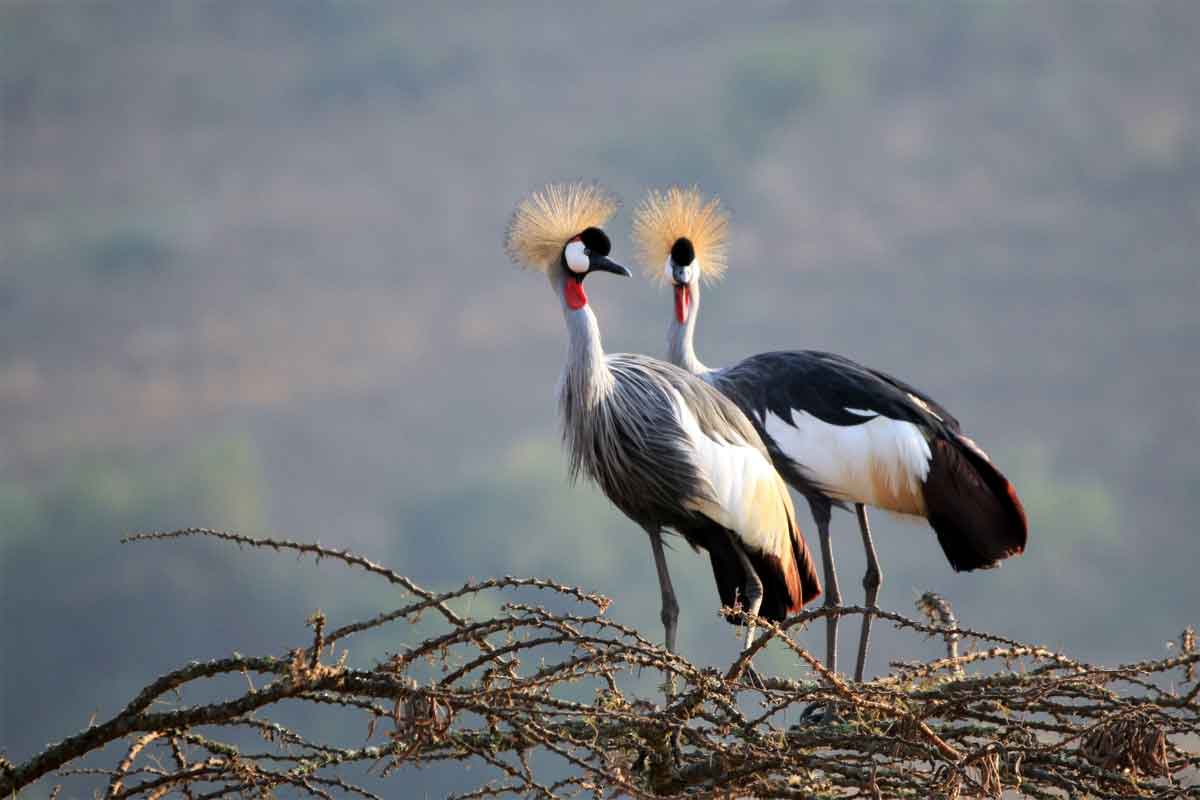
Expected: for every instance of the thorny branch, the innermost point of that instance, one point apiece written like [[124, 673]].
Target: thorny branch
[[492, 692]]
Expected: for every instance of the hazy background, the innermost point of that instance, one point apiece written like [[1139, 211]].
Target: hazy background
[[251, 276]]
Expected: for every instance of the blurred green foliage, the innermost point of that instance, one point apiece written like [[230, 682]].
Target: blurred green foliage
[[61, 558], [521, 515], [665, 148], [759, 84], [786, 71], [1067, 512], [105, 495], [1077, 549], [109, 248], [393, 71], [128, 254]]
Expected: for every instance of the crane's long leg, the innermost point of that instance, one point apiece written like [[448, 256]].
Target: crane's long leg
[[871, 583], [752, 601], [670, 620], [833, 597], [670, 606]]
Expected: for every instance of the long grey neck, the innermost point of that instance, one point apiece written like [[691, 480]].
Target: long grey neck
[[586, 378], [680, 350]]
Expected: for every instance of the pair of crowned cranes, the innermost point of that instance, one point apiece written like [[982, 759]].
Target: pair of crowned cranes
[[706, 452]]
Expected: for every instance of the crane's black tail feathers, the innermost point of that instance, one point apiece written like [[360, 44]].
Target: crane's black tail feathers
[[783, 593], [972, 507], [803, 583]]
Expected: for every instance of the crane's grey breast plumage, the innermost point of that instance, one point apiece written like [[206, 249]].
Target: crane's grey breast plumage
[[632, 442]]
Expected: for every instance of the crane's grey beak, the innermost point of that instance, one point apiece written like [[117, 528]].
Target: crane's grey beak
[[680, 274], [605, 264]]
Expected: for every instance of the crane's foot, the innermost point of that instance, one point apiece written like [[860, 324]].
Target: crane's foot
[[671, 756], [820, 713]]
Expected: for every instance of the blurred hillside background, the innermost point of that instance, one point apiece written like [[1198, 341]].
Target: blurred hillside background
[[251, 276]]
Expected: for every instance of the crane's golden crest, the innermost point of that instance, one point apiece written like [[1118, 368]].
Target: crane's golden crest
[[546, 220], [664, 217]]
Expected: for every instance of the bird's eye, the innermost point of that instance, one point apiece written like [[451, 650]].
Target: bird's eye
[[576, 257]]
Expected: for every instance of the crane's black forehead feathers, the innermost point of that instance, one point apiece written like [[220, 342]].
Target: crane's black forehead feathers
[[596, 241], [682, 252]]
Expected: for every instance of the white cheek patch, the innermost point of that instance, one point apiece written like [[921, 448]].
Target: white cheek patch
[[576, 257], [689, 272]]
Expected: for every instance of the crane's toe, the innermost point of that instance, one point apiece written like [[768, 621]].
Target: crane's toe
[[820, 713], [755, 679]]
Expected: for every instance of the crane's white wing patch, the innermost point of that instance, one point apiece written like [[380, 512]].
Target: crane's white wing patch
[[746, 490], [881, 462]]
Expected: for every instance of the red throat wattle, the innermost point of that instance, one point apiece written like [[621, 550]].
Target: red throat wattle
[[683, 298], [573, 291]]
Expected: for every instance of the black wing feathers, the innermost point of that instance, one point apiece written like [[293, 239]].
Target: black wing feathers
[[826, 385], [779, 598], [777, 601], [972, 507], [947, 418]]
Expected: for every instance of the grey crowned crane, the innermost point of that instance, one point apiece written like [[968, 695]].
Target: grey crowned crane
[[837, 431], [666, 448]]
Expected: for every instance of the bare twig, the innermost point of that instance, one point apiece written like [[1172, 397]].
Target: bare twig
[[1014, 717]]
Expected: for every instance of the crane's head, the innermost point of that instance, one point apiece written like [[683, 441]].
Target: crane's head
[[680, 238], [558, 231]]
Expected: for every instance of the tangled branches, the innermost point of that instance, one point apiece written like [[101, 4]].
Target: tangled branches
[[544, 700]]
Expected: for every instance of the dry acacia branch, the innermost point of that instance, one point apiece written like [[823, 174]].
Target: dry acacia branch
[[492, 691]]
